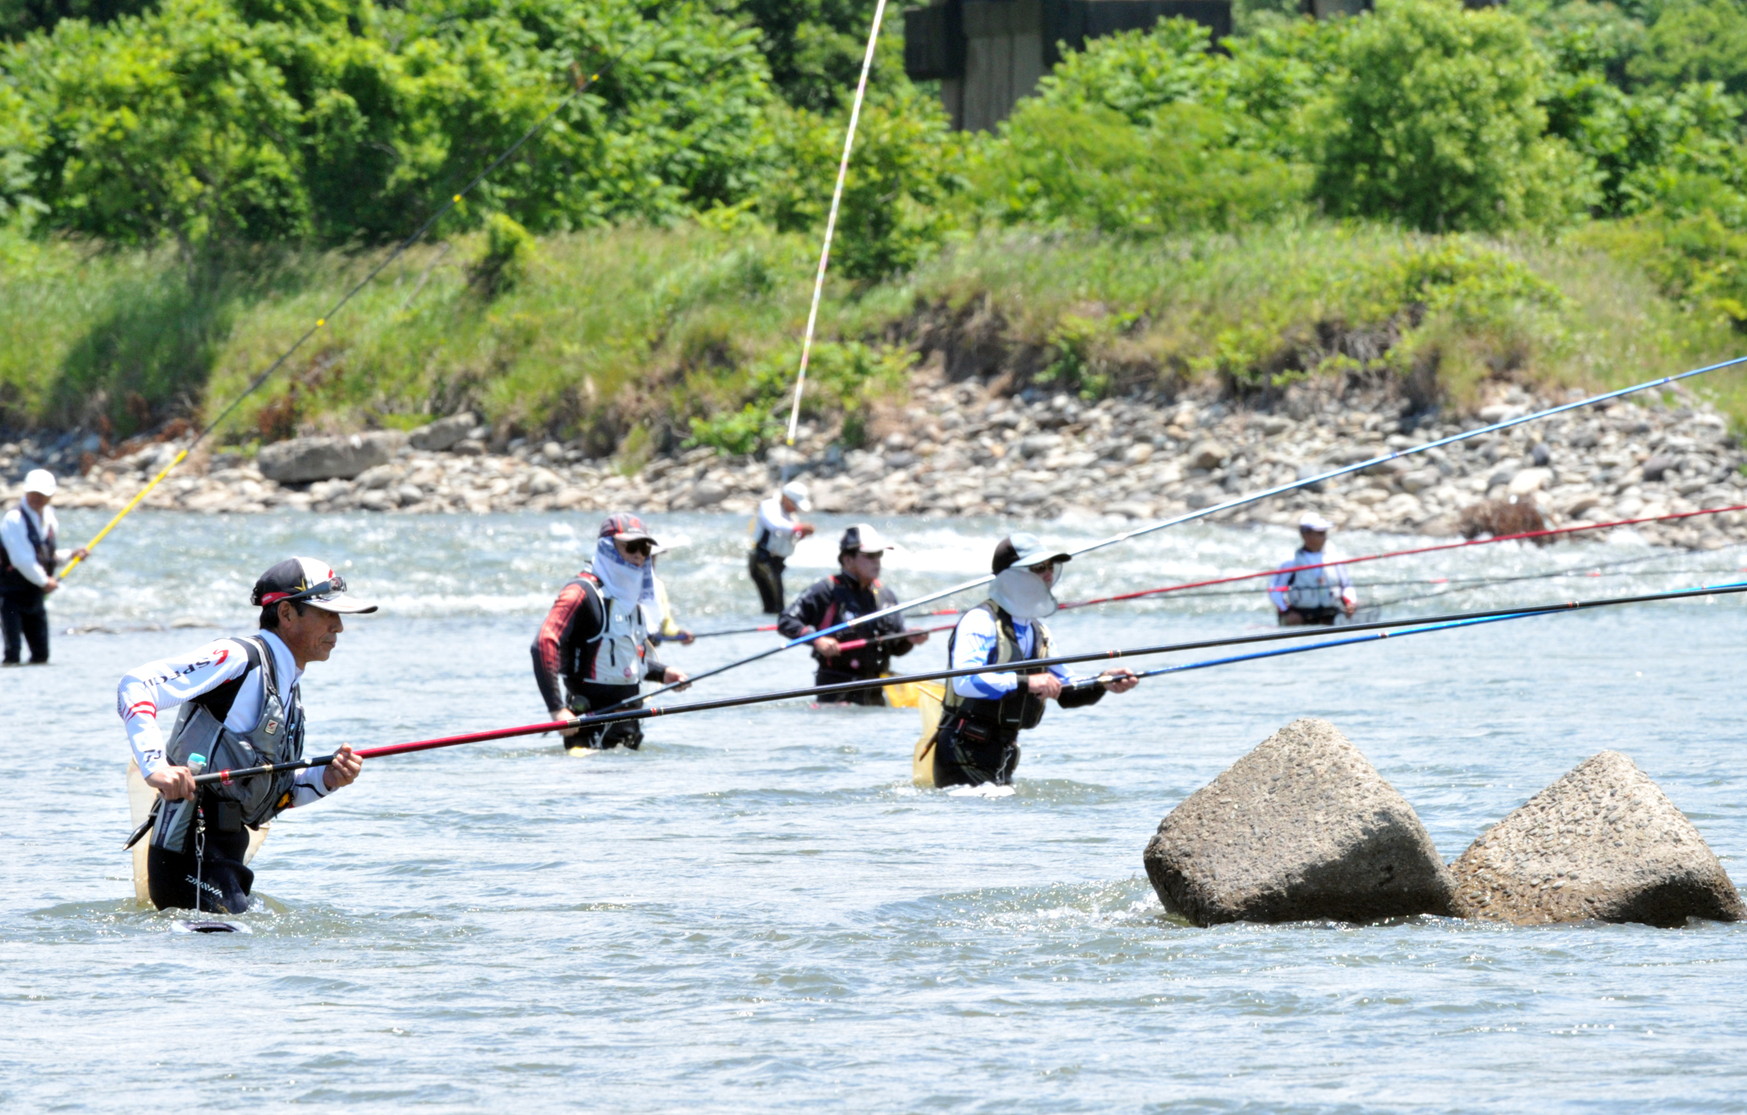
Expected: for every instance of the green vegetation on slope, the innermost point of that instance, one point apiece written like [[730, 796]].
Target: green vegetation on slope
[[1557, 191], [691, 333]]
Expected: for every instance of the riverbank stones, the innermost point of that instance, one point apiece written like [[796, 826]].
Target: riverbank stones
[[1301, 828], [1603, 843], [304, 459]]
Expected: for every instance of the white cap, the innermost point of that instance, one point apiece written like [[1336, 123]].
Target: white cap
[[863, 538], [797, 494], [1313, 521], [41, 481]]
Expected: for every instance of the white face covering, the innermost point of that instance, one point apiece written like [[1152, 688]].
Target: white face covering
[[622, 580], [1022, 594]]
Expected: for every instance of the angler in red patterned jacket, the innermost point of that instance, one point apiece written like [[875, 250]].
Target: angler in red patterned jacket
[[594, 651]]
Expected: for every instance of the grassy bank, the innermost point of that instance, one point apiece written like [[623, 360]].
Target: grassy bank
[[637, 339]]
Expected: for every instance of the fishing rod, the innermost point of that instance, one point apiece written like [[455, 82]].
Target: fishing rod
[[1466, 584], [1240, 501], [580, 85], [729, 631], [1087, 682], [873, 42], [1469, 584], [1209, 582], [1296, 633], [1520, 536]]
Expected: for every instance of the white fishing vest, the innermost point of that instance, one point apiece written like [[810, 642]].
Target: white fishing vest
[[1308, 589], [621, 644]]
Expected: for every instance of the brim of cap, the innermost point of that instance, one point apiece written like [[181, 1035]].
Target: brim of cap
[[1038, 557], [342, 606], [633, 536]]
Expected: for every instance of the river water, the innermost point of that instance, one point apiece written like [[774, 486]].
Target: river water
[[758, 911]]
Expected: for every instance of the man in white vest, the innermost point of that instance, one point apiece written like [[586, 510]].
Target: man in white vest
[[28, 536], [778, 530], [1312, 595]]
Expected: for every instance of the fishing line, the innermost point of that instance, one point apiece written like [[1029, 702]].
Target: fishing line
[[873, 39], [1529, 535], [580, 85], [1606, 569], [1296, 633]]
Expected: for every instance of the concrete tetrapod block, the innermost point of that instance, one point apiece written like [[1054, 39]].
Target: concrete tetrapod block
[[1301, 828], [1602, 843]]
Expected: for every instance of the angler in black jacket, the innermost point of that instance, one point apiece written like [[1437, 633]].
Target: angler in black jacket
[[840, 598]]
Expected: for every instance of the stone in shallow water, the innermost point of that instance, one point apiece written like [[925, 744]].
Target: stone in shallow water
[[1301, 828], [1603, 843]]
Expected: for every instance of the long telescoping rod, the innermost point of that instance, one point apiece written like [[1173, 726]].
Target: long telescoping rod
[[1188, 586], [579, 86], [1441, 622], [1447, 586], [1230, 504], [1369, 637]]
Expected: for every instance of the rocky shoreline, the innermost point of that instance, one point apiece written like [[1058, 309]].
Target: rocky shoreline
[[957, 449]]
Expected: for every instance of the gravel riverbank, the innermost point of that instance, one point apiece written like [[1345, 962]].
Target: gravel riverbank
[[957, 449]]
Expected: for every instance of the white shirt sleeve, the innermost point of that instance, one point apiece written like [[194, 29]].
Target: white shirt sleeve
[[16, 537], [158, 687], [1278, 585], [974, 644], [777, 528]]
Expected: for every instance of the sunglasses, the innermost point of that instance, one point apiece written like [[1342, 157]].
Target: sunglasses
[[335, 584], [1046, 567], [641, 546]]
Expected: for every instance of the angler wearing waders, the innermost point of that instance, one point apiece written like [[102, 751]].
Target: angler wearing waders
[[27, 569], [593, 650], [983, 714], [240, 705], [778, 531], [1306, 596], [839, 599]]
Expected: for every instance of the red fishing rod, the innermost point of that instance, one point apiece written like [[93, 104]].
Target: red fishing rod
[[1527, 535], [942, 675]]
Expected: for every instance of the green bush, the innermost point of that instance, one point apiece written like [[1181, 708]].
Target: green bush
[[1440, 124], [1697, 257], [503, 263], [844, 378], [213, 122], [1135, 73], [1089, 167], [1694, 41], [905, 166]]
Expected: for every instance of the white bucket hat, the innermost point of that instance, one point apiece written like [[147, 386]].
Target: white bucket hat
[[797, 493]]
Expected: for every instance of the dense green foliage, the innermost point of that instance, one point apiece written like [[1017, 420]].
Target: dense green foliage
[[215, 123], [1440, 125], [244, 157]]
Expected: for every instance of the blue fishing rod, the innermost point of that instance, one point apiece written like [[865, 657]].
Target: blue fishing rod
[[1230, 504], [1290, 635], [1377, 636]]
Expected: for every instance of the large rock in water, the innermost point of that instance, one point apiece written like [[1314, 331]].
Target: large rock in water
[[303, 459], [1303, 827], [1602, 843]]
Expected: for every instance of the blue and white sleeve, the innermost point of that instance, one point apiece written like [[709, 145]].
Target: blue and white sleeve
[[974, 645]]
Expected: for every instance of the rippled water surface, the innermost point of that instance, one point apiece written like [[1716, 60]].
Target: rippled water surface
[[759, 911]]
